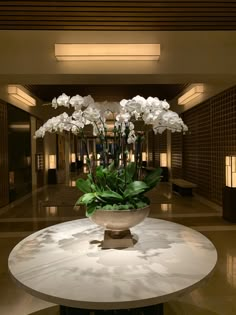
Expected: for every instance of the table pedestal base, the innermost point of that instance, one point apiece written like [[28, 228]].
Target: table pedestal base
[[148, 310]]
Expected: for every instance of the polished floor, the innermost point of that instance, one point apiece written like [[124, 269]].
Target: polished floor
[[55, 203]]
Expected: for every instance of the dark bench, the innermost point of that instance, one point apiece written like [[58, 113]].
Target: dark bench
[[182, 187]]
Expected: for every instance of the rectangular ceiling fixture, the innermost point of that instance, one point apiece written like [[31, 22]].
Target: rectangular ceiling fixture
[[191, 94], [19, 94], [77, 52]]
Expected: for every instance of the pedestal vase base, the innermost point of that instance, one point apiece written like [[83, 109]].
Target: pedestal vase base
[[117, 239]]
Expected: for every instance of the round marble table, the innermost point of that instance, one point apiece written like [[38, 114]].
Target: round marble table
[[64, 264]]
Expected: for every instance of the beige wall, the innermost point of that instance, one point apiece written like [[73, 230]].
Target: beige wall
[[28, 57]]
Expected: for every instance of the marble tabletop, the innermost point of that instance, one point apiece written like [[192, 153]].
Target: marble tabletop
[[64, 264]]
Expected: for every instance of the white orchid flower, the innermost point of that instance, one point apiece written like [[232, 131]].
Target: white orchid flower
[[91, 114], [123, 102], [131, 126], [40, 132], [88, 100], [131, 137], [123, 117], [54, 103], [165, 105], [76, 102], [63, 100], [159, 130], [78, 115], [151, 110]]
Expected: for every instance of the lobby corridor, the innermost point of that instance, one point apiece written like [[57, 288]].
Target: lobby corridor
[[55, 203]]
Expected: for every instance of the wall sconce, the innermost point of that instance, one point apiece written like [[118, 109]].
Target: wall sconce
[[73, 183], [20, 127], [85, 170], [85, 159], [77, 52], [191, 94], [52, 162], [21, 95], [163, 160], [73, 159], [166, 207], [51, 211], [132, 159], [98, 156], [230, 171]]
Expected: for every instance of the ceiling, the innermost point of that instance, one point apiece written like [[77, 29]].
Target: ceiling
[[140, 19], [132, 15], [110, 93]]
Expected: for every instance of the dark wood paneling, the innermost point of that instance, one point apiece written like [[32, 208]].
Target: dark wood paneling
[[223, 137], [212, 126], [40, 150], [176, 155], [118, 15], [114, 92], [160, 141], [4, 181], [156, 144], [197, 148]]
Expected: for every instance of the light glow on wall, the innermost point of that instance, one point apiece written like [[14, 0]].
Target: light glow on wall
[[78, 52]]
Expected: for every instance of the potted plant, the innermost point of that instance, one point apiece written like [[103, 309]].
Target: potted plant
[[114, 192]]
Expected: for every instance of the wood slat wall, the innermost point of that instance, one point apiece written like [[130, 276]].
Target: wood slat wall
[[156, 144], [151, 148], [197, 148], [213, 136], [176, 155], [118, 15], [4, 182]]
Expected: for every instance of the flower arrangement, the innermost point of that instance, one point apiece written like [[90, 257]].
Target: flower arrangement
[[116, 185]]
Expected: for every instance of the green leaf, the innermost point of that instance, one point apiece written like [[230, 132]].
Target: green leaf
[[135, 188], [83, 185], [130, 170], [108, 194], [107, 207], [153, 178], [111, 167], [140, 204], [90, 210], [86, 198]]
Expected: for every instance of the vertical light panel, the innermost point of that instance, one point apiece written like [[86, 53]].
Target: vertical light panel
[[73, 158], [144, 156], [163, 160], [52, 161], [230, 171]]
